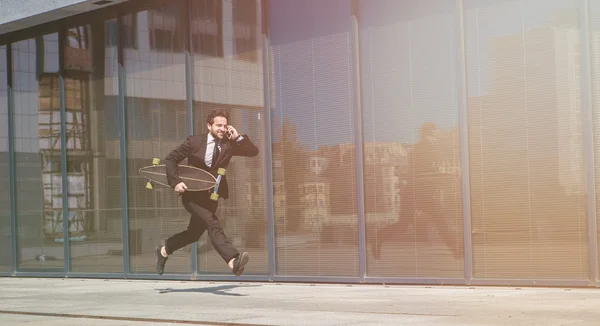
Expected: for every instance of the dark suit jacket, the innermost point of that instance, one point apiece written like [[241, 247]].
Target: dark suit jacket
[[194, 149]]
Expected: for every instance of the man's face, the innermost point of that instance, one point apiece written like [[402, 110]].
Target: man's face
[[218, 128]]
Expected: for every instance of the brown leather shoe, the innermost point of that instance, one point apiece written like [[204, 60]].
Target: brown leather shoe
[[160, 260]]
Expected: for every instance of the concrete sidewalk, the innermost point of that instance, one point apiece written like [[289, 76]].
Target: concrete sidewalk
[[143, 302]]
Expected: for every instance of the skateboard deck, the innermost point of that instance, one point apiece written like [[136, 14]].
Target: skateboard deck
[[194, 178]]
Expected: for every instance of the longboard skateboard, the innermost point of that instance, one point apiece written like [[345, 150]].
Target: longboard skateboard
[[194, 178]]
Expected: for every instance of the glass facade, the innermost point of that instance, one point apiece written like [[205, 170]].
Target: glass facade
[[441, 141]]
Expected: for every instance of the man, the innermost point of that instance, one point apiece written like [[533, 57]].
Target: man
[[209, 152]]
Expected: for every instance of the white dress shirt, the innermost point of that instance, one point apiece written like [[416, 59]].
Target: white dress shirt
[[210, 148]]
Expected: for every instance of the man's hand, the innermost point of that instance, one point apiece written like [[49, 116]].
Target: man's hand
[[180, 187], [233, 134]]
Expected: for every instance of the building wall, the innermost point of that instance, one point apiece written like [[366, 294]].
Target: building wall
[[484, 179]]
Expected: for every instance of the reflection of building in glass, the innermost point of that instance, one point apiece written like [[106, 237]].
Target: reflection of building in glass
[[383, 162], [388, 166], [279, 195], [37, 60], [331, 167], [78, 67], [539, 140], [315, 194], [567, 62], [560, 107]]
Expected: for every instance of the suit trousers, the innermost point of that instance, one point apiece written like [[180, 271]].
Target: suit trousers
[[203, 218]]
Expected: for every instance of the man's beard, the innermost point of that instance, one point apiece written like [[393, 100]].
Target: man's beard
[[216, 136]]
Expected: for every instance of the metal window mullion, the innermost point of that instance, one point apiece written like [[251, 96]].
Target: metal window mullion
[[62, 35], [359, 141], [123, 149], [189, 96], [588, 139], [268, 139], [12, 161], [463, 110]]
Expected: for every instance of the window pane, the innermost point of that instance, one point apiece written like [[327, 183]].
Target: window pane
[[155, 88], [93, 160], [234, 83], [529, 217], [413, 199], [246, 29], [37, 153], [313, 138], [206, 28]]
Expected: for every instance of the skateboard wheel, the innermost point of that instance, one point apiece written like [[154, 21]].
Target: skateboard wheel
[[155, 161], [149, 185], [214, 196], [221, 171]]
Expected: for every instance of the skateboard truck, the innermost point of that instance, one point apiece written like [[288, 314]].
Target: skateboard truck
[[155, 161], [214, 195]]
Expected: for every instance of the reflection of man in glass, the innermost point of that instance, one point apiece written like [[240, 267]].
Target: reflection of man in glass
[[420, 200], [209, 152]]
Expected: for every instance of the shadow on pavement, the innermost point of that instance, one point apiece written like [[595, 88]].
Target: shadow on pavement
[[218, 290]]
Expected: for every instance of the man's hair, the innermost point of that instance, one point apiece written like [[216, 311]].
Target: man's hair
[[217, 113]]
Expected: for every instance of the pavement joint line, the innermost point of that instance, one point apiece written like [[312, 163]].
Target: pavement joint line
[[117, 318]]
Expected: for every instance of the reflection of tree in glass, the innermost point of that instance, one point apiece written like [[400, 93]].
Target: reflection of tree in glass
[[77, 37]]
